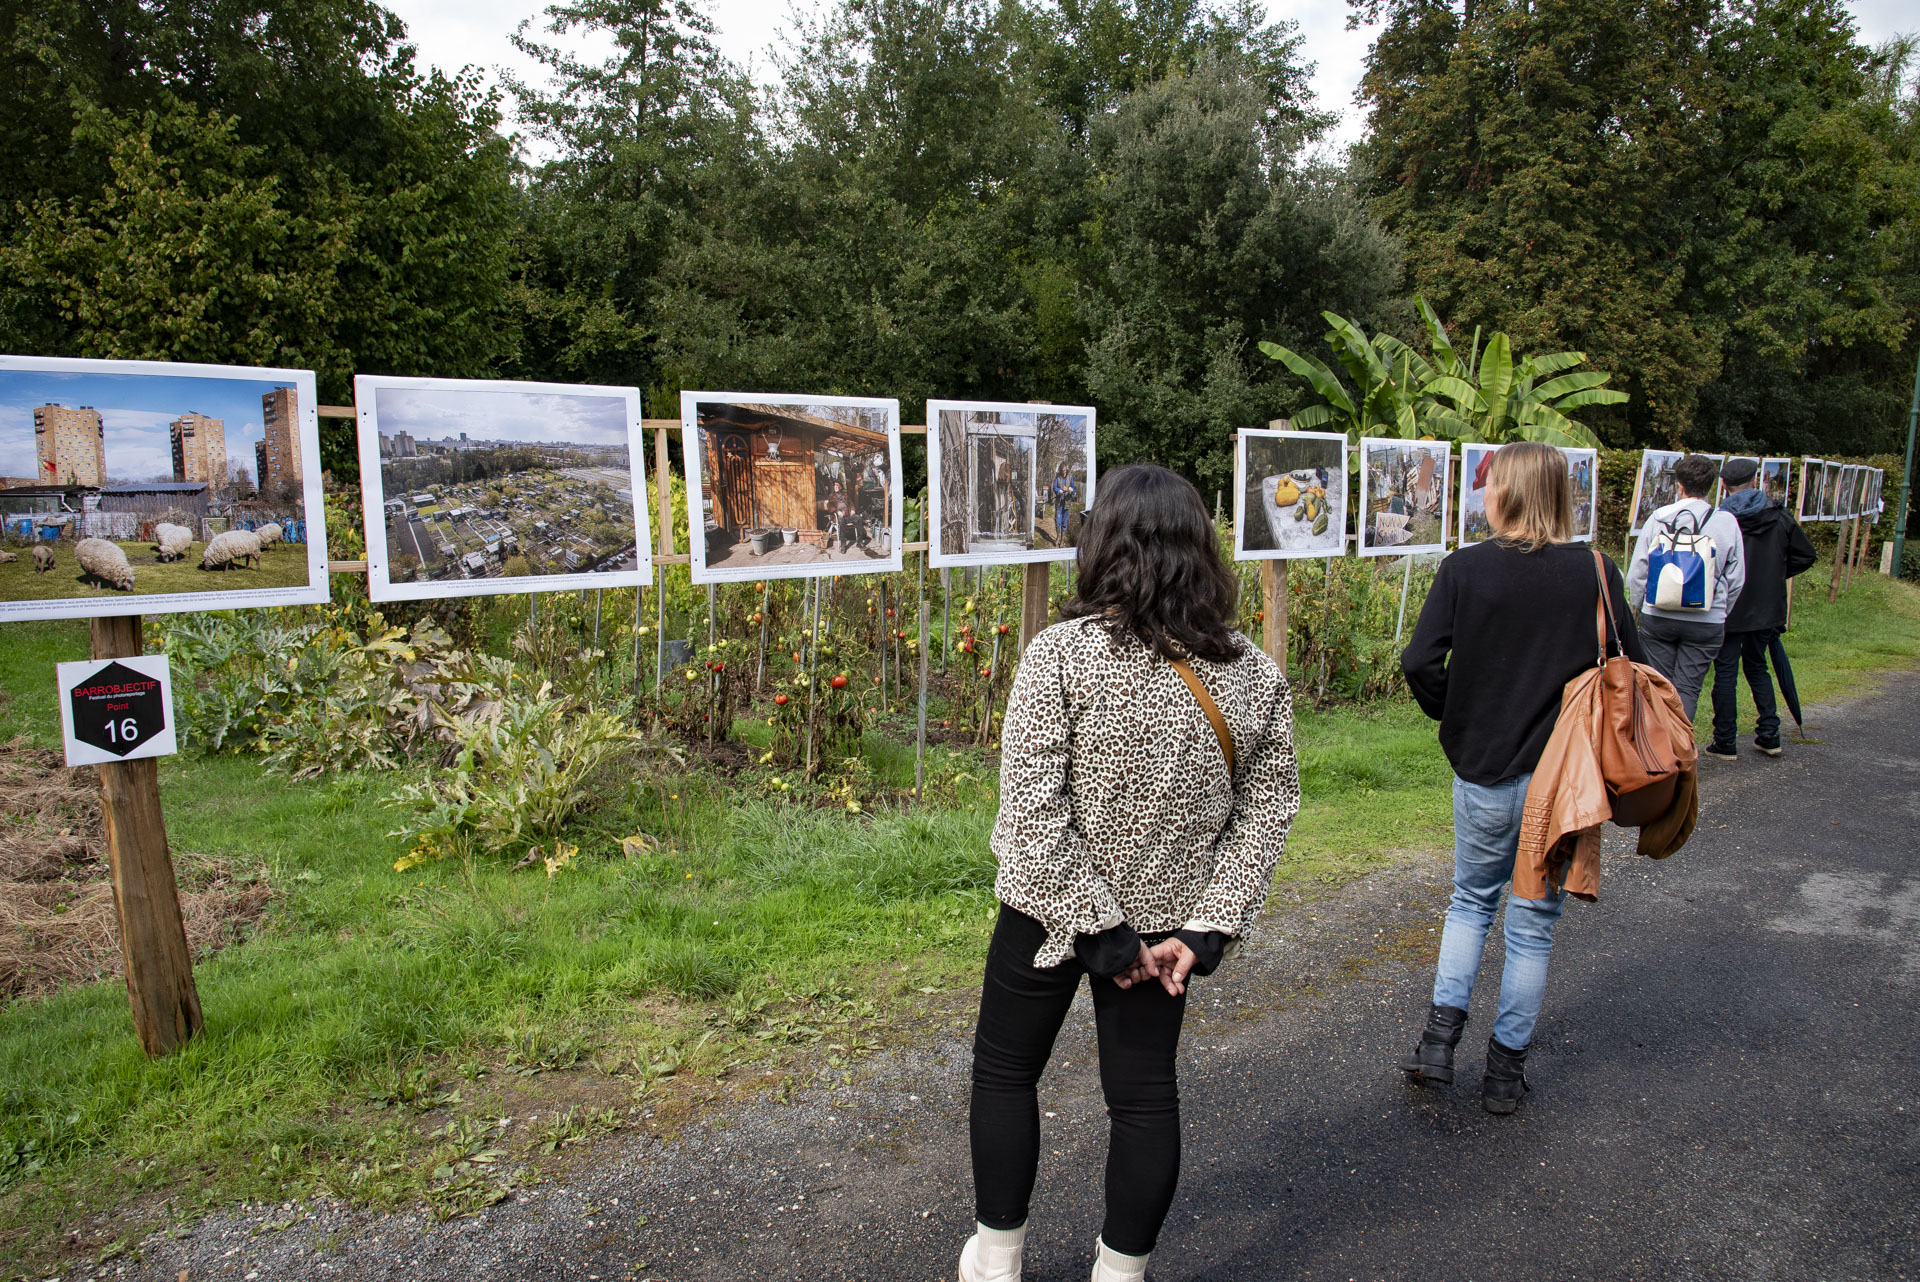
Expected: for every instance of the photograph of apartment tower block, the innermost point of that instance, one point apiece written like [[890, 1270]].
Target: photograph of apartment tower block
[[69, 445]]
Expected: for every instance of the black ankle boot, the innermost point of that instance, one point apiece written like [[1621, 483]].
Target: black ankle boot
[[1506, 1079], [1432, 1059]]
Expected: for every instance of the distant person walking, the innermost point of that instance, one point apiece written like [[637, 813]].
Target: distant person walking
[[1147, 781], [1064, 492], [1681, 643], [1775, 549], [1507, 624]]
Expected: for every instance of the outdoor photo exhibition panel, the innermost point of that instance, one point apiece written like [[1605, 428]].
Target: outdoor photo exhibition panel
[[141, 487], [1583, 470], [1775, 474], [1404, 502], [1289, 495], [1654, 487], [1811, 472], [1475, 525], [477, 487], [1007, 482], [1835, 474], [783, 486]]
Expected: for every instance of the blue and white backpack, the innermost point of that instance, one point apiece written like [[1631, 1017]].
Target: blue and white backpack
[[1682, 565]]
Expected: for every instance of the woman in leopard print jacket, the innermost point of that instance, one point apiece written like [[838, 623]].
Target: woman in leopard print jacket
[[1134, 847]]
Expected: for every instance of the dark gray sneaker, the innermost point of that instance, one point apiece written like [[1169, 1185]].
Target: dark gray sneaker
[[1723, 752], [1766, 748]]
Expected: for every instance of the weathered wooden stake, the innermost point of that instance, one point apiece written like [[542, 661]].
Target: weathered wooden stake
[[153, 936], [1273, 603], [1035, 608], [1839, 558]]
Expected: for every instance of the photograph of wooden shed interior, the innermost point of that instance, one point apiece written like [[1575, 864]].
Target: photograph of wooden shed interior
[[785, 486]]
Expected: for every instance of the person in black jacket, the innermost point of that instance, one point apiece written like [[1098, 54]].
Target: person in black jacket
[[1776, 549], [1507, 624]]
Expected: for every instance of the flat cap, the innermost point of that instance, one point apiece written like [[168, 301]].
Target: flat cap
[[1738, 471]]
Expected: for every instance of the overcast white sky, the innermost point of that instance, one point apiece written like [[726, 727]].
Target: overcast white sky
[[501, 414], [451, 34]]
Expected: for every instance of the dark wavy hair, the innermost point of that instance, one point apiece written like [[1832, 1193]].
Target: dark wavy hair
[[1150, 567]]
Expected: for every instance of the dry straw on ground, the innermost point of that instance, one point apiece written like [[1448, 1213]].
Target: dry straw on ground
[[57, 924]]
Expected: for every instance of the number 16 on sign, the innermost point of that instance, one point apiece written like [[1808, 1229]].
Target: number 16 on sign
[[116, 709]]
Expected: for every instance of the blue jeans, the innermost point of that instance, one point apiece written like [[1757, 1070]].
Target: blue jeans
[[1486, 834]]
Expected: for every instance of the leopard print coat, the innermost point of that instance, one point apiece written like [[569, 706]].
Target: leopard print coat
[[1115, 803]]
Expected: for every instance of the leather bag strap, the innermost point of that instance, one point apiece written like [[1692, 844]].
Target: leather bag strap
[[1603, 621], [1208, 706]]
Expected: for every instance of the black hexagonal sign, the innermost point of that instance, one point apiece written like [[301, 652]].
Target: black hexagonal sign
[[117, 709]]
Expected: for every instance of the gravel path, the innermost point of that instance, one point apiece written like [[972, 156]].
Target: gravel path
[[1721, 1091]]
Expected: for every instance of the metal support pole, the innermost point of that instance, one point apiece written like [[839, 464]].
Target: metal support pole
[[1406, 581], [1906, 482]]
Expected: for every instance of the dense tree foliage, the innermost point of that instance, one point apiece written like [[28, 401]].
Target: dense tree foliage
[[1716, 198], [1110, 201]]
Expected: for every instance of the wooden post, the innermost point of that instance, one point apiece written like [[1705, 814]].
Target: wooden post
[[1863, 534], [1839, 558], [1273, 603], [153, 937], [1035, 608]]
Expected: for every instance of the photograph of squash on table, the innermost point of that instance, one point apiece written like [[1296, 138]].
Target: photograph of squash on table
[[1292, 497]]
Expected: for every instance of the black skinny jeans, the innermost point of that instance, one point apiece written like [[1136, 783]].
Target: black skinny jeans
[[1021, 1010]]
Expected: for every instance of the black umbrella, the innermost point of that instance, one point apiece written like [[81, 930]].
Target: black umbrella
[[1783, 672]]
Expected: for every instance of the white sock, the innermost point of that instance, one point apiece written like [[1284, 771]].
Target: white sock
[[1112, 1266], [992, 1255]]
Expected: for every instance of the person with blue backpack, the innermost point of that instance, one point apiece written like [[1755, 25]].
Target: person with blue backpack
[[1688, 571]]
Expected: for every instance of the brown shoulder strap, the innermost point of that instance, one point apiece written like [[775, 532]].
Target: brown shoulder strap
[[1207, 705], [1603, 622]]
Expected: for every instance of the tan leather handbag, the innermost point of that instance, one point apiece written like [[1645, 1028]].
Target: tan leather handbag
[[1641, 751]]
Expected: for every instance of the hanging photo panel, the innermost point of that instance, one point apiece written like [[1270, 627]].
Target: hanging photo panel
[[1812, 471], [1654, 487], [1583, 471], [1830, 491], [1718, 461], [1290, 495], [1775, 476], [142, 487], [1403, 496], [1007, 482], [476, 487], [782, 486], [1475, 525]]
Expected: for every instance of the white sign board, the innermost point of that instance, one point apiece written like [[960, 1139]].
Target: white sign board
[[116, 709]]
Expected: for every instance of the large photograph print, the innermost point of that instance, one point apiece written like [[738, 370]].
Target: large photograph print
[[1654, 487], [1812, 473], [1291, 496], [1007, 482], [1583, 471], [1775, 474], [477, 488], [786, 486], [137, 487], [1403, 496]]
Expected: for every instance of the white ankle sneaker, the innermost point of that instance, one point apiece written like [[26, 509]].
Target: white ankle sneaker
[[1111, 1266], [992, 1255]]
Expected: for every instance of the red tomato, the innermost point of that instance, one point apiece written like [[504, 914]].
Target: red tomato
[[796, 656], [1003, 629], [780, 700], [839, 681]]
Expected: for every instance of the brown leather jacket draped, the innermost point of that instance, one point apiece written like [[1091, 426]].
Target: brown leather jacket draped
[[1567, 798]]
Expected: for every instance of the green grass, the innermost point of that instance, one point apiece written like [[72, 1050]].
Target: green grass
[[283, 567], [337, 1035]]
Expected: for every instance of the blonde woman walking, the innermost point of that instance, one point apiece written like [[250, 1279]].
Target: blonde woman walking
[[1147, 781], [1507, 624]]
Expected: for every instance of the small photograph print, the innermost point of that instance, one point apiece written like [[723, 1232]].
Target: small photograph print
[[1876, 492], [1008, 482], [1655, 487], [476, 487], [1475, 525], [1812, 473], [1831, 491], [1291, 500], [1775, 474], [1583, 470], [1851, 481], [1403, 496], [786, 486], [138, 487]]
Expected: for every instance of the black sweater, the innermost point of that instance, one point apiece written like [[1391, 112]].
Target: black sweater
[[1502, 633]]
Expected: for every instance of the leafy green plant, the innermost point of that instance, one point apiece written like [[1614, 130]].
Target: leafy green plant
[[525, 765]]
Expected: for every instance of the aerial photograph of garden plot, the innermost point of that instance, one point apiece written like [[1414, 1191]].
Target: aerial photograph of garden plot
[[475, 488]]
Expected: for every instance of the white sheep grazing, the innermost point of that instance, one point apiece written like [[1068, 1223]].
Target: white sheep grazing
[[172, 542], [230, 547], [270, 535], [42, 558], [105, 562], [6, 557]]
